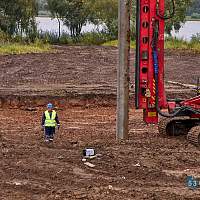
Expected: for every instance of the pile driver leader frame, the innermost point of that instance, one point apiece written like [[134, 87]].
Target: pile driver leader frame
[[150, 24]]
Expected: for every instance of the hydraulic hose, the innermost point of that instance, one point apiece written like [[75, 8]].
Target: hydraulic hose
[[163, 16], [156, 71]]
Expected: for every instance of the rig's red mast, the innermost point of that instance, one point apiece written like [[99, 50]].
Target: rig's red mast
[[149, 23]]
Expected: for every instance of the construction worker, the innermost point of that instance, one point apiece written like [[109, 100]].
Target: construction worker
[[49, 122]]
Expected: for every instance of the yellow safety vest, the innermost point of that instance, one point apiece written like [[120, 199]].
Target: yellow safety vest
[[50, 122]]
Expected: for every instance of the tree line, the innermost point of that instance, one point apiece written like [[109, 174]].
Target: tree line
[[17, 17], [75, 14], [194, 10]]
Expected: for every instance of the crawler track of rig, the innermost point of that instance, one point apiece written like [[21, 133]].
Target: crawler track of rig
[[194, 135], [163, 126]]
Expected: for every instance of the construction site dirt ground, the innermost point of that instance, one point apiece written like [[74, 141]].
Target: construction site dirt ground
[[146, 166]]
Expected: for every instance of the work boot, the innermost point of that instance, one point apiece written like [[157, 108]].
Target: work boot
[[47, 140], [51, 138]]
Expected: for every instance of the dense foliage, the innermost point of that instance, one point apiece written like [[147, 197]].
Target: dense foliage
[[105, 12], [181, 7], [74, 14], [17, 17], [194, 9]]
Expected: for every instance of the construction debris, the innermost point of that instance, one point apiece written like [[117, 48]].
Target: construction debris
[[89, 164]]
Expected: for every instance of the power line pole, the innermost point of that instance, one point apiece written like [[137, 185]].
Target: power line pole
[[123, 68]]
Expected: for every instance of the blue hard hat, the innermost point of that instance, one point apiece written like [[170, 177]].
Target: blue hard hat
[[49, 105]]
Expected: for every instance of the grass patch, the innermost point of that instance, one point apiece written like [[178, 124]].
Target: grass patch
[[170, 43], [18, 48], [174, 43], [179, 44]]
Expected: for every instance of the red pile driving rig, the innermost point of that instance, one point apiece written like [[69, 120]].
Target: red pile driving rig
[[183, 117]]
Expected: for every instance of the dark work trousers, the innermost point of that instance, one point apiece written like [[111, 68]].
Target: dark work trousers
[[49, 132]]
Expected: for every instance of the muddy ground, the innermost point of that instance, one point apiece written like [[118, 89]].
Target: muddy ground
[[82, 71], [146, 166]]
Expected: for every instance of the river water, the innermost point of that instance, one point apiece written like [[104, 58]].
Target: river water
[[51, 25], [188, 29], [47, 24]]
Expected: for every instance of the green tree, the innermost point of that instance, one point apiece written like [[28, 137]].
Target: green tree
[[105, 12], [57, 9], [7, 24], [25, 13], [76, 15], [194, 8], [175, 22], [18, 17]]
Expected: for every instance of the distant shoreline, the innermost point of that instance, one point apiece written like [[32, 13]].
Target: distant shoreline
[[188, 18], [193, 20], [47, 16]]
